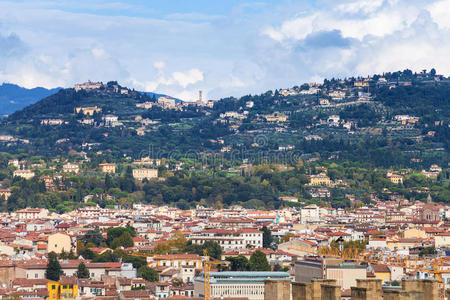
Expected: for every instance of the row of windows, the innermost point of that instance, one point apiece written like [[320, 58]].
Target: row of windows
[[237, 290]]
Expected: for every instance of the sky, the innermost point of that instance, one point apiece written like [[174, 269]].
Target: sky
[[222, 47]]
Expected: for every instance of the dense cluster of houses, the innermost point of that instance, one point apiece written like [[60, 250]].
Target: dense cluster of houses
[[390, 230]]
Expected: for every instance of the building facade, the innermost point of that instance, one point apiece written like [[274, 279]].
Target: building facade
[[237, 284]]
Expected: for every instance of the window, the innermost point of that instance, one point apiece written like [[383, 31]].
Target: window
[[36, 275], [54, 287]]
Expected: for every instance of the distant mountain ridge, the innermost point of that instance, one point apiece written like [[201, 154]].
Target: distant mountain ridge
[[14, 97]]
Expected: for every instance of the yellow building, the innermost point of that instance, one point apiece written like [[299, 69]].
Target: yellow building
[[88, 111], [141, 174], [5, 193], [414, 233], [178, 260], [276, 117], [108, 168], [361, 84], [382, 272], [66, 288], [395, 178], [321, 179], [59, 242]]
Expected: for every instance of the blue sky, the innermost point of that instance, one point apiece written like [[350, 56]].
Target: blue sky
[[223, 47]]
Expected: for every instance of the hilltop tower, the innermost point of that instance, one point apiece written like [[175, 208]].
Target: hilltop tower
[[199, 101]]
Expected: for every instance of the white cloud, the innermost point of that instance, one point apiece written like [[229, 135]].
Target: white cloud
[[159, 65], [361, 6], [440, 12], [190, 77], [248, 51]]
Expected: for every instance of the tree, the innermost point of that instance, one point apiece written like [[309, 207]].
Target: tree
[[125, 240], [213, 248], [238, 263], [427, 251], [267, 237], [258, 262], [116, 232], [86, 253], [83, 271], [162, 248], [54, 270], [93, 236], [287, 237], [148, 273], [178, 240]]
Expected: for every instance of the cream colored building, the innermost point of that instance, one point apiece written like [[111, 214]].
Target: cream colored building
[[141, 174], [108, 168], [346, 274], [5, 193], [59, 242], [178, 260], [27, 174], [442, 239], [311, 214], [276, 117], [88, 111], [167, 102], [30, 213], [71, 168], [88, 86], [414, 233]]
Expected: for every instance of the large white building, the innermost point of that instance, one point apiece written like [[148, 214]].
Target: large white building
[[312, 214], [141, 174], [230, 239], [237, 284]]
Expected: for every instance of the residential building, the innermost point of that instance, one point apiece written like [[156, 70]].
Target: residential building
[[179, 261], [59, 242], [108, 168], [319, 180], [276, 117], [230, 239], [26, 174], [66, 288], [345, 273], [141, 174], [395, 178], [5, 193], [71, 168], [167, 102], [88, 111], [31, 213]]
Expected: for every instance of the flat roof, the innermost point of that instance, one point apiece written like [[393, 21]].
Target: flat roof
[[243, 277]]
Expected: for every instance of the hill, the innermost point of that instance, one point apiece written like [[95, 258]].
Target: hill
[[14, 97], [341, 143], [392, 119]]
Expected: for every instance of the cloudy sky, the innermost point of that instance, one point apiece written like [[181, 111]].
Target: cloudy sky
[[223, 47]]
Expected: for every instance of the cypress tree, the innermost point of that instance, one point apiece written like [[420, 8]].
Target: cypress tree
[[54, 270], [83, 271]]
